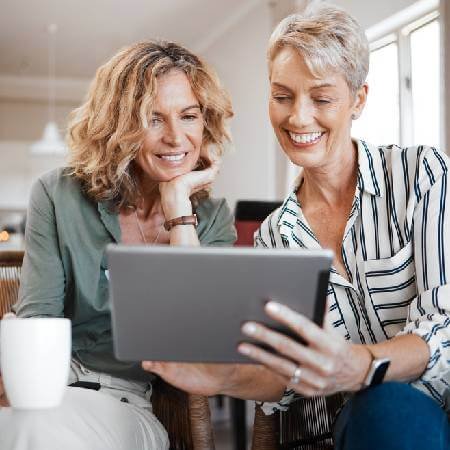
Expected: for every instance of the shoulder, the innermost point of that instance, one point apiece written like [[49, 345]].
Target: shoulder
[[58, 181], [215, 222], [417, 157], [395, 169], [59, 194], [421, 165], [60, 187]]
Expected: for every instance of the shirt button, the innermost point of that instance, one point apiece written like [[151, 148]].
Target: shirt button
[[124, 400]]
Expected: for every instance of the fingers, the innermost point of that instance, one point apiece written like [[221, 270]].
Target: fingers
[[305, 328], [305, 356], [310, 383], [154, 367]]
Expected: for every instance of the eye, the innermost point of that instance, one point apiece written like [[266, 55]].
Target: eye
[[155, 121], [281, 98], [322, 101], [190, 117]]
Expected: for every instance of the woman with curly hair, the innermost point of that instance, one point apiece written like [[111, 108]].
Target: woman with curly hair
[[144, 149]]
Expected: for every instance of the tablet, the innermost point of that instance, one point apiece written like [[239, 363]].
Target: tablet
[[188, 303]]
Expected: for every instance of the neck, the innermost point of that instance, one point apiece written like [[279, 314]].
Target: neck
[[334, 183], [148, 194]]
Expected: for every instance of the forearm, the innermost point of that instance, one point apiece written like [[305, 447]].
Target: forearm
[[409, 355], [177, 204], [184, 235], [253, 382]]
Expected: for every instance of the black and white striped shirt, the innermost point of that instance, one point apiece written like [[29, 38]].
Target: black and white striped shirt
[[396, 252]]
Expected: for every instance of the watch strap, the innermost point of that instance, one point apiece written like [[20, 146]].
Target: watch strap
[[377, 370], [182, 220]]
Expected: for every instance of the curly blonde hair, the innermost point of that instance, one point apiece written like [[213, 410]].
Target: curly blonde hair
[[106, 133]]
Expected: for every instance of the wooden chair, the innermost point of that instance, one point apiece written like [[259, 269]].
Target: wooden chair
[[186, 417], [10, 267], [307, 425]]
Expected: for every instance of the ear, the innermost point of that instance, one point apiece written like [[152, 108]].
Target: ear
[[360, 101]]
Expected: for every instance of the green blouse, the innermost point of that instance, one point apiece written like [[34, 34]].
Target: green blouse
[[64, 266]]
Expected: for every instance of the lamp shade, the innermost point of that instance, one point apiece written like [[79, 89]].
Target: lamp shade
[[51, 142]]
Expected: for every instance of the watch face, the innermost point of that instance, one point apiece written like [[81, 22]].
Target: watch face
[[380, 368]]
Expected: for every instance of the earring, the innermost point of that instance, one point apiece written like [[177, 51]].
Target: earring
[[354, 117]]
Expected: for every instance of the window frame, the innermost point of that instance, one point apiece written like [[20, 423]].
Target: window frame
[[401, 34]]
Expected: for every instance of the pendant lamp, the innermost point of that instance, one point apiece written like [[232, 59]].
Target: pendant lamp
[[51, 142]]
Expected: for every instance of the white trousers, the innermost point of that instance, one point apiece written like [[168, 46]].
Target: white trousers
[[117, 417]]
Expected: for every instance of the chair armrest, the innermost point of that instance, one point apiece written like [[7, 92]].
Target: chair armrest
[[186, 417], [266, 430]]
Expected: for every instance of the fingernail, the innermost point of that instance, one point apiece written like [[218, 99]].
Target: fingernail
[[249, 328], [273, 307], [147, 364], [244, 350]]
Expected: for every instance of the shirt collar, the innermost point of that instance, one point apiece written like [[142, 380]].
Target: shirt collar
[[370, 169], [110, 219], [290, 208]]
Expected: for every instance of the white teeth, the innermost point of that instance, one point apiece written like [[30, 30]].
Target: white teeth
[[173, 157], [305, 138]]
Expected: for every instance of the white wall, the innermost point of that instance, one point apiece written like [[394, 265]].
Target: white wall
[[368, 13], [21, 123], [251, 172], [239, 58]]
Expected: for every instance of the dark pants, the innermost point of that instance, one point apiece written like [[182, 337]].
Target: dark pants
[[392, 416]]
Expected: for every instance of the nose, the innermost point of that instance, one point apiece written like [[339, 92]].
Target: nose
[[172, 134], [302, 114]]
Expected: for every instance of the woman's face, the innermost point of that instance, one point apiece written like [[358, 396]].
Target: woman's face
[[311, 116], [174, 137]]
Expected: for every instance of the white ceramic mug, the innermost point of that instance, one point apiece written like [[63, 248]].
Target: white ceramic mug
[[35, 361]]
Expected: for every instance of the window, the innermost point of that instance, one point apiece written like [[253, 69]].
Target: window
[[403, 105], [380, 121], [425, 85]]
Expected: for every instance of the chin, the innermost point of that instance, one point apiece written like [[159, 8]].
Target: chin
[[169, 175]]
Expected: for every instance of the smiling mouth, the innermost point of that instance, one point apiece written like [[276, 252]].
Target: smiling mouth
[[172, 157], [305, 138]]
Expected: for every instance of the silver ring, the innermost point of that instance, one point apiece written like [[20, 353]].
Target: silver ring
[[295, 379]]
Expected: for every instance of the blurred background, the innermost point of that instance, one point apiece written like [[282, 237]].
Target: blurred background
[[50, 50]]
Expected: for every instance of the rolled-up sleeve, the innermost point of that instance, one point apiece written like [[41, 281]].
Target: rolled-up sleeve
[[429, 312], [42, 283]]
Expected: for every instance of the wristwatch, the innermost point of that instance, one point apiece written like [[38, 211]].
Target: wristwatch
[[377, 370], [182, 220]]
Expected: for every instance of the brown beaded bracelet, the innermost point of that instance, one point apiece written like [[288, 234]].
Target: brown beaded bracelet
[[182, 220]]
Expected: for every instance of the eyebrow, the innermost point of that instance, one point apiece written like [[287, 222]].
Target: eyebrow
[[317, 86], [197, 106]]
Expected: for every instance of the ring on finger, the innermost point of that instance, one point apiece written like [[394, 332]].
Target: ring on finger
[[295, 379]]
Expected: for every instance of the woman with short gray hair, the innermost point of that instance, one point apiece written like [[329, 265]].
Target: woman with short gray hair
[[384, 211]]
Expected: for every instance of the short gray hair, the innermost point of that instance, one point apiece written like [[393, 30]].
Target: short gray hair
[[328, 38]]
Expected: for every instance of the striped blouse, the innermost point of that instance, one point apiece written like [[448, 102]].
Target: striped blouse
[[395, 253]]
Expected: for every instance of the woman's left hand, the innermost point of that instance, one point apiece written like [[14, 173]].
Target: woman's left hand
[[176, 193], [195, 378], [326, 364]]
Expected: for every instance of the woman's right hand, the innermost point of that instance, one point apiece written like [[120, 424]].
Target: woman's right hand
[[176, 193], [3, 399]]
